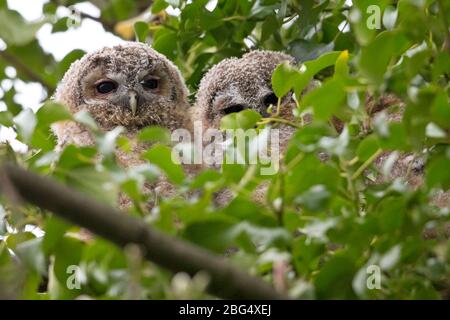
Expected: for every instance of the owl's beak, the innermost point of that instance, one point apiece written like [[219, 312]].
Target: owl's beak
[[133, 102]]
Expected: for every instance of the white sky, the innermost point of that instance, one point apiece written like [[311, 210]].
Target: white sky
[[89, 36]]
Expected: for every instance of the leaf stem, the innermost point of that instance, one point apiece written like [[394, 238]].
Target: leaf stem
[[279, 120], [366, 164]]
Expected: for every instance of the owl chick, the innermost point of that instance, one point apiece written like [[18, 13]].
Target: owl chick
[[129, 85], [237, 84]]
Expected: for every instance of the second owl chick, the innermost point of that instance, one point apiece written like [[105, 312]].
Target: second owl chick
[[237, 84]]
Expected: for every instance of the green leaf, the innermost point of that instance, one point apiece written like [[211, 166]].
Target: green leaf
[[26, 123], [98, 184], [317, 229], [341, 68], [367, 147], [307, 255], [73, 157], [61, 25], [159, 5], [55, 229], [67, 61], [440, 110], [391, 213], [379, 54], [14, 30], [283, 78], [214, 235], [141, 31], [50, 113], [218, 235], [166, 44], [335, 278], [107, 142], [6, 118], [155, 134], [304, 50], [13, 240], [308, 172], [246, 210], [315, 199], [438, 173], [204, 178], [30, 252], [67, 254], [245, 119], [85, 118], [269, 26], [162, 157], [306, 139], [310, 68], [325, 100]]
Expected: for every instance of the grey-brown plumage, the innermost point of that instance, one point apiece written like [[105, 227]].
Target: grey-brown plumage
[[237, 84], [129, 85]]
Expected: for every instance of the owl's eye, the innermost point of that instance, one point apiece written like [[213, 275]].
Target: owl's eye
[[150, 83], [106, 87], [233, 108], [270, 99]]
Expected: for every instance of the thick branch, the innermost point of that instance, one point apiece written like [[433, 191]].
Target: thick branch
[[13, 61], [225, 280]]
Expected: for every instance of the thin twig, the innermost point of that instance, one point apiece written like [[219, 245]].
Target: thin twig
[[366, 164], [279, 120]]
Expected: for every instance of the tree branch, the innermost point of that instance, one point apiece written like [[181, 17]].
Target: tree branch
[[225, 280], [21, 67], [108, 26]]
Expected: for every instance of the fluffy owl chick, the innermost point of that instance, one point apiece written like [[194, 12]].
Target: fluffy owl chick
[[129, 85], [237, 84]]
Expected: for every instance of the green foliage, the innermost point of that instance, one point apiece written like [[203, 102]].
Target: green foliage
[[328, 220]]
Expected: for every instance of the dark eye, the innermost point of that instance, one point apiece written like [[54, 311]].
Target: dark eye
[[150, 83], [270, 99], [232, 109], [106, 87]]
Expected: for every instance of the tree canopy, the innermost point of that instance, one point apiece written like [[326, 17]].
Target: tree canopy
[[327, 228]]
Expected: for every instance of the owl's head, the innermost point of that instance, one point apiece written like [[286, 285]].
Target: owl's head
[[237, 84], [130, 85]]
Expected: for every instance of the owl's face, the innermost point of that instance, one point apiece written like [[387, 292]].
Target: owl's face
[[237, 84], [128, 85]]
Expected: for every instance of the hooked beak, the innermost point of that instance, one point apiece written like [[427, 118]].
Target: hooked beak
[[133, 102]]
